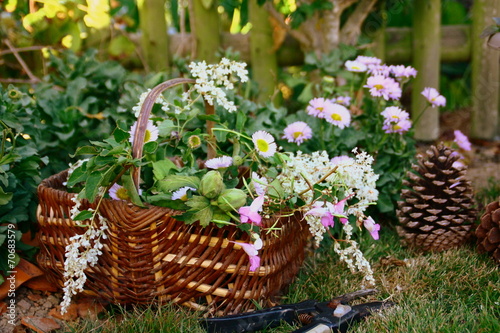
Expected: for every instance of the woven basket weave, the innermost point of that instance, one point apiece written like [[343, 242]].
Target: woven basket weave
[[149, 256]]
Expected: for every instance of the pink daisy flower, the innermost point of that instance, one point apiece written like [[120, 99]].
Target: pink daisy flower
[[264, 143], [462, 140], [369, 60], [297, 132], [401, 71], [219, 162], [433, 96], [383, 70], [399, 126], [259, 183], [317, 106], [394, 113], [381, 86], [342, 100], [118, 192], [338, 115]]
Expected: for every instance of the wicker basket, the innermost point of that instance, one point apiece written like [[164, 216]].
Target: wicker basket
[[149, 256]]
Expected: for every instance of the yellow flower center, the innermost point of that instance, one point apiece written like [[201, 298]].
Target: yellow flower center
[[262, 145], [184, 197], [336, 116], [121, 193], [396, 127], [296, 134], [320, 109], [147, 136], [378, 86]]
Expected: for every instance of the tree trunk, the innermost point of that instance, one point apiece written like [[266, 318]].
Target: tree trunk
[[205, 27], [485, 75], [426, 48], [263, 53], [154, 40]]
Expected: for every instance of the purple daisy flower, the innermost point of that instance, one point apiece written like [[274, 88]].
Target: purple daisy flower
[[433, 96], [317, 106], [462, 140], [297, 132], [338, 115]]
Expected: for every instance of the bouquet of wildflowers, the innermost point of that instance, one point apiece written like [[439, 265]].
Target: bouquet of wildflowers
[[191, 151]]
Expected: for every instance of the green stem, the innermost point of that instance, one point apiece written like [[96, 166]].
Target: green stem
[[415, 122], [212, 144]]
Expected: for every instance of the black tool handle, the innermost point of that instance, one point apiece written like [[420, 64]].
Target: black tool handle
[[257, 320]]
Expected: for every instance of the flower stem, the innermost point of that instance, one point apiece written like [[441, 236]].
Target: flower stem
[[211, 148]]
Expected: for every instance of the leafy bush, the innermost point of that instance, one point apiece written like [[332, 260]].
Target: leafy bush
[[20, 164]]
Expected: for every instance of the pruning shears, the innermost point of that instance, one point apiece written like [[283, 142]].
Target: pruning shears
[[316, 317]]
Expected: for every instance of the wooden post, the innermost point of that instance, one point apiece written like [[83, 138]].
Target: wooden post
[[485, 73], [426, 60], [205, 28], [154, 39], [263, 53]]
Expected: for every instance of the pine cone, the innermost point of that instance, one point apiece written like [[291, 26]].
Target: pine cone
[[437, 209], [488, 231]]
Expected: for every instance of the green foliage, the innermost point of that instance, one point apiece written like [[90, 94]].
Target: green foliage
[[20, 164], [81, 100]]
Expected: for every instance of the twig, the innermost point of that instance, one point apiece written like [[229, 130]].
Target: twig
[[18, 81], [23, 49], [32, 77], [319, 181]]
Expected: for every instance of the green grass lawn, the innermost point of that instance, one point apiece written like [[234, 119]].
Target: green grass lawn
[[454, 291]]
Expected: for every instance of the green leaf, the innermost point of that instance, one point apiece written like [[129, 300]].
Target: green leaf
[[162, 168], [164, 200], [129, 185], [276, 190], [204, 216], [174, 182], [150, 147], [5, 197], [211, 117], [120, 135], [384, 203], [78, 175], [307, 94], [83, 215], [2, 238], [92, 185], [166, 127], [198, 202]]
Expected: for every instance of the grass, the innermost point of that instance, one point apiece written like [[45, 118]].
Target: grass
[[454, 291]]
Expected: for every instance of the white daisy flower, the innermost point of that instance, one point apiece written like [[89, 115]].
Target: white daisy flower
[[264, 143]]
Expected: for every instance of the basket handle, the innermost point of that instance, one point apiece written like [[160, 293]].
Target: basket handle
[[142, 120]]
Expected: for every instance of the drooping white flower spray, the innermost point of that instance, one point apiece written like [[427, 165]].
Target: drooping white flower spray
[[82, 252]]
